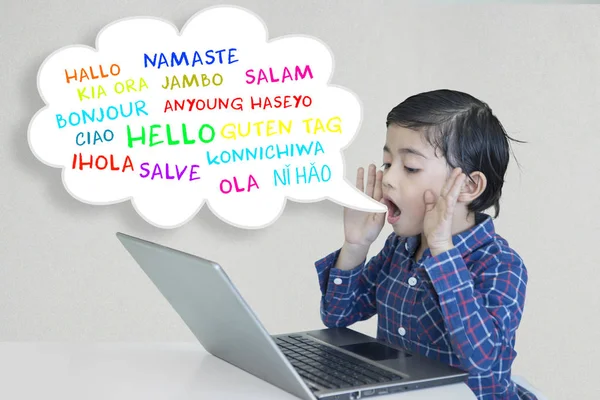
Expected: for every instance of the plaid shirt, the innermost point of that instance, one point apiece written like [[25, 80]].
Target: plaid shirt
[[461, 307]]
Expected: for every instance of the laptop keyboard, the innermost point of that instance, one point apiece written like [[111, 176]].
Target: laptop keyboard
[[329, 367]]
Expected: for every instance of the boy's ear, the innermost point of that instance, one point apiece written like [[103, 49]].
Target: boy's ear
[[472, 188]]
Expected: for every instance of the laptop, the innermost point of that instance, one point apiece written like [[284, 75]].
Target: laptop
[[334, 363]]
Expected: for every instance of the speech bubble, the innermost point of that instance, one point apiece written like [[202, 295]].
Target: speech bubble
[[216, 114]]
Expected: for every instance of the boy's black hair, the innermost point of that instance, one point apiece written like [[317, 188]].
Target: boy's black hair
[[467, 133]]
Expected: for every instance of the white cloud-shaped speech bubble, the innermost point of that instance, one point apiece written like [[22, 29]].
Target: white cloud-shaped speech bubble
[[217, 113]]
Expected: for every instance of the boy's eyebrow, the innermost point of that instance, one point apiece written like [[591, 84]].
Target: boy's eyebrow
[[405, 150]]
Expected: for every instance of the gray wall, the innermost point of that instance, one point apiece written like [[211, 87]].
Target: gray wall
[[64, 276]]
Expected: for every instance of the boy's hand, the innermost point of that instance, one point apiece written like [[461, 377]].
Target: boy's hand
[[362, 228], [437, 225]]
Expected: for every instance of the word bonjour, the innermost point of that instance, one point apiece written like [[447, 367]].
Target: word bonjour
[[75, 118]]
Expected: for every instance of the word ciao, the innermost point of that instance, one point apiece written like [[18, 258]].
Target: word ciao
[[92, 138]]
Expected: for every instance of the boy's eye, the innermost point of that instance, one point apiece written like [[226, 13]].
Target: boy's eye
[[411, 170], [385, 165]]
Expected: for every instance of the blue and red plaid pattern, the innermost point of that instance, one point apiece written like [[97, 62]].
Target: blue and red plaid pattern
[[462, 307]]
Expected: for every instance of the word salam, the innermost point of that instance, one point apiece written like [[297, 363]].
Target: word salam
[[299, 74]]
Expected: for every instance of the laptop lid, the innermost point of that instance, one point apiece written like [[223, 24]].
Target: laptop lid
[[206, 300]]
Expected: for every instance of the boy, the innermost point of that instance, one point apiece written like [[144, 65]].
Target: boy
[[445, 284]]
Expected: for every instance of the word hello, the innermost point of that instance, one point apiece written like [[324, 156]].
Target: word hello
[[154, 133]]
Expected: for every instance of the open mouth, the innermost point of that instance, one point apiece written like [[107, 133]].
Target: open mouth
[[393, 210]]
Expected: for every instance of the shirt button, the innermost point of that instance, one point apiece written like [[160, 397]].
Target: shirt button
[[337, 281], [406, 245], [412, 281], [402, 331]]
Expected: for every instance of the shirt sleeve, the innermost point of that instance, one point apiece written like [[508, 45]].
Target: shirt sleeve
[[348, 296], [480, 314]]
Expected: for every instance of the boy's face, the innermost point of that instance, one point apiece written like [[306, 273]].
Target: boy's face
[[410, 168]]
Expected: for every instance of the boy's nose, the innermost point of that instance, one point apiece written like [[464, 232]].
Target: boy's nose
[[389, 179], [385, 182]]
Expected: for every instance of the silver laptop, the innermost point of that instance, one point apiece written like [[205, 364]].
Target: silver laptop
[[335, 363]]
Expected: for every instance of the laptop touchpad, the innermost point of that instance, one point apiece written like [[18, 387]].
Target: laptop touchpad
[[373, 351]]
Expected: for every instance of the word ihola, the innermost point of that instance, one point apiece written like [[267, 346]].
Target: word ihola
[[101, 162]]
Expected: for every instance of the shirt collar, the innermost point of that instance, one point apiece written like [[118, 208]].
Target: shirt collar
[[466, 242]]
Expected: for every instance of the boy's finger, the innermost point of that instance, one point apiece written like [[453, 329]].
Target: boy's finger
[[429, 199], [371, 180], [453, 195], [450, 182], [378, 194], [360, 179]]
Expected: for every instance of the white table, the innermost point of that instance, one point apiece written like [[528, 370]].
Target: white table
[[148, 371]]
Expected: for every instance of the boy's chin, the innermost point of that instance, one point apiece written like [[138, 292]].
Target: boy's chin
[[404, 231]]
